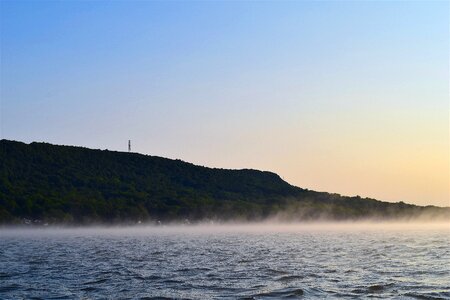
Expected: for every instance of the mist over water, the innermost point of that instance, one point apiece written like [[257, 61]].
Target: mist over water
[[252, 261], [269, 226]]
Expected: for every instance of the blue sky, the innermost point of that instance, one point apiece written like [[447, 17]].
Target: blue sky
[[348, 97]]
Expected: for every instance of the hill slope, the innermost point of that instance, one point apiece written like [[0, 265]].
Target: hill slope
[[65, 184]]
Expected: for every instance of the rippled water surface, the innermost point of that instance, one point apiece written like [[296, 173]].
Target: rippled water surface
[[253, 262]]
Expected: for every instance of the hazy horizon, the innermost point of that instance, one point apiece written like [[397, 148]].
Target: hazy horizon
[[343, 97], [238, 226]]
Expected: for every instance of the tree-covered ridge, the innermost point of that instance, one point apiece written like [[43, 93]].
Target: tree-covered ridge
[[65, 184]]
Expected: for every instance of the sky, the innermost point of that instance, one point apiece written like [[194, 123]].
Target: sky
[[344, 97]]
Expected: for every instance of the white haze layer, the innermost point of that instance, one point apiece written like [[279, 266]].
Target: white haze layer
[[227, 228]]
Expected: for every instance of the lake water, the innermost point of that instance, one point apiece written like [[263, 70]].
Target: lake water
[[228, 262]]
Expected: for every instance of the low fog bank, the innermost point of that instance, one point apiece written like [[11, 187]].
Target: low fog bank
[[395, 212], [266, 227], [296, 213]]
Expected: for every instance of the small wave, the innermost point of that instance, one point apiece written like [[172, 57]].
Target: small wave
[[287, 293], [150, 277], [289, 278], [183, 270], [172, 281], [258, 286], [187, 270], [89, 289], [155, 298], [96, 281], [428, 296], [244, 261], [110, 273], [376, 288], [349, 271], [279, 272], [9, 288]]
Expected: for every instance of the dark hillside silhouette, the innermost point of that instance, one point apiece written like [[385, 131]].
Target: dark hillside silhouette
[[75, 185]]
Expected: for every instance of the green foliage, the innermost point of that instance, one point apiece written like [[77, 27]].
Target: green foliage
[[64, 184]]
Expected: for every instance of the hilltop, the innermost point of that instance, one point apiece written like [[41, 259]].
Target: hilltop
[[75, 185]]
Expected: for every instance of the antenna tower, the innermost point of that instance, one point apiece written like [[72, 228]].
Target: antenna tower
[[129, 145]]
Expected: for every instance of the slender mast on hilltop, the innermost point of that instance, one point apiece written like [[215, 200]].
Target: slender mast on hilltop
[[129, 145]]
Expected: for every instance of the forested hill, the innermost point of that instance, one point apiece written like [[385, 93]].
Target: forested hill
[[75, 185]]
